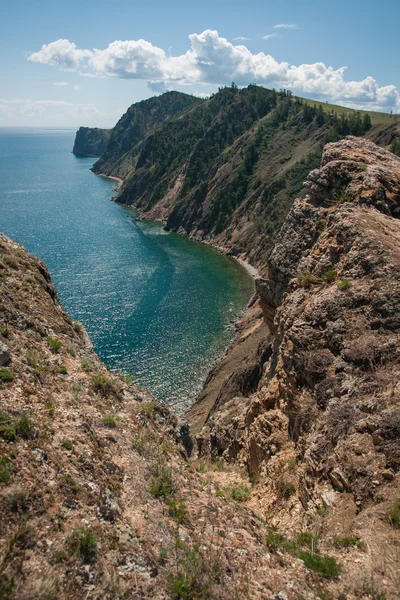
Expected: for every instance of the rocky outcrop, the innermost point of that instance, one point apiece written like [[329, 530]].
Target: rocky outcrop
[[91, 141], [321, 433], [98, 496]]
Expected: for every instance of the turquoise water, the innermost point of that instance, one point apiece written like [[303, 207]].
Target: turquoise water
[[155, 304]]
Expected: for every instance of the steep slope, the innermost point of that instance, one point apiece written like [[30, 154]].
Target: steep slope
[[227, 172], [91, 141], [320, 436], [140, 120], [98, 497]]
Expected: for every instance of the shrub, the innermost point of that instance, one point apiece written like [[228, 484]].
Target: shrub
[[394, 515], [101, 383], [147, 408], [83, 542], [195, 572], [6, 375], [329, 276], [161, 485], [344, 284], [25, 427], [76, 387], [307, 279], [5, 474], [18, 500], [7, 430], [343, 196], [4, 332], [110, 421], [54, 344], [178, 510], [77, 326], [49, 406], [326, 566], [86, 365], [241, 493], [71, 484], [138, 444], [63, 370], [67, 444]]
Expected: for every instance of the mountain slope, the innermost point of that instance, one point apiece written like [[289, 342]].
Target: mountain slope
[[91, 141], [227, 171]]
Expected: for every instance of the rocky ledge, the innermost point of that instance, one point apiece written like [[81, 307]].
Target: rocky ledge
[[91, 141]]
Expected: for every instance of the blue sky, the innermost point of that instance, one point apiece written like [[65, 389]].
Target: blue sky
[[113, 56]]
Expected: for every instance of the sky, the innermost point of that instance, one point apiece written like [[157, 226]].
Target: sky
[[66, 64]]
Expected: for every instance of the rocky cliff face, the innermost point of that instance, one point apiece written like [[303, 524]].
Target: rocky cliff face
[[91, 141], [320, 436], [98, 496]]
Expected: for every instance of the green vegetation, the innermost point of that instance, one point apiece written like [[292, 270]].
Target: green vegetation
[[17, 500], [5, 332], [101, 383], [329, 276], [147, 408], [394, 515], [77, 326], [5, 474], [86, 365], [325, 566], [284, 489], [67, 444], [7, 429], [161, 485], [55, 345], [110, 421], [177, 510], [343, 196], [25, 427], [83, 542], [349, 541], [70, 482], [344, 284], [241, 493], [6, 375], [63, 370], [395, 147]]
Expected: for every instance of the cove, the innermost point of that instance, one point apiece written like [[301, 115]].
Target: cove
[[156, 305]]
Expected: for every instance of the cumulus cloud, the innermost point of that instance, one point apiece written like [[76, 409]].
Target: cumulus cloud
[[60, 83], [286, 26], [212, 59]]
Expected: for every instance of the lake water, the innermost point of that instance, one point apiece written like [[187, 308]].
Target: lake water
[[155, 304]]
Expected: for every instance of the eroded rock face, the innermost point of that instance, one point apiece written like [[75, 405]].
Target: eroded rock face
[[323, 427]]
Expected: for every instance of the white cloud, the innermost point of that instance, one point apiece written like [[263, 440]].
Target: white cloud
[[60, 83], [52, 112], [241, 38], [77, 87], [286, 26], [269, 36], [212, 59], [201, 95]]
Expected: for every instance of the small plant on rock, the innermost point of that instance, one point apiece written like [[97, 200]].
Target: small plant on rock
[[55, 345], [24, 427], [241, 493], [394, 515], [6, 375], [67, 444], [344, 284], [101, 383], [110, 421], [161, 485], [83, 542]]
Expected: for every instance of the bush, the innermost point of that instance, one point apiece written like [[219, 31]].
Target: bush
[[326, 566], [284, 489], [6, 375], [101, 383], [8, 433], [86, 365], [161, 485], [25, 427], [329, 276], [67, 444], [110, 421], [77, 326], [241, 494], [5, 474], [344, 284], [5, 332], [83, 542], [54, 345], [394, 515], [63, 370], [195, 572], [178, 510], [18, 500]]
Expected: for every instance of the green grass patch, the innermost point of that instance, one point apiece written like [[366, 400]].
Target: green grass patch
[[67, 444], [101, 383], [326, 566], [394, 515], [161, 485], [241, 493], [344, 284], [83, 542], [110, 421], [347, 541], [6, 375], [25, 427], [54, 344]]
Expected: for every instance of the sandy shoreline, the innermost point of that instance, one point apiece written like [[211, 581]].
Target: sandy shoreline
[[117, 179]]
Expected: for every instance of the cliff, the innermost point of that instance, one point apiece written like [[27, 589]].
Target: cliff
[[91, 141], [320, 434], [98, 496]]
